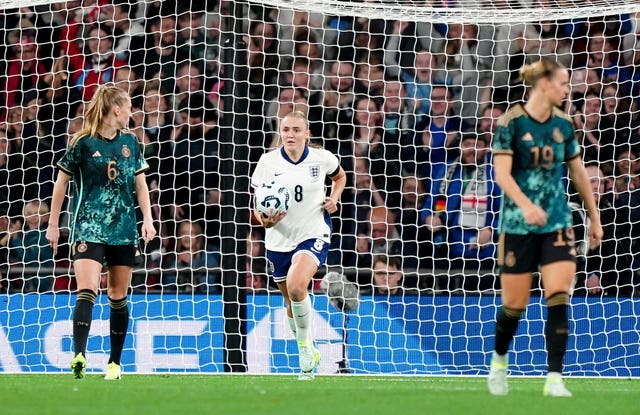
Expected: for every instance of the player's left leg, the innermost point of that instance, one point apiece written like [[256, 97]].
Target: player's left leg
[[557, 279], [117, 289], [303, 268]]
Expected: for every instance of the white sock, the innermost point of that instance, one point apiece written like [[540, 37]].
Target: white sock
[[292, 325], [302, 316], [499, 358]]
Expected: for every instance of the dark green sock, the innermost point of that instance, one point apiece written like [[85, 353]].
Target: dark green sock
[[82, 320], [119, 323]]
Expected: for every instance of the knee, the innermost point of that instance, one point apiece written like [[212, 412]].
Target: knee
[[117, 292], [297, 290]]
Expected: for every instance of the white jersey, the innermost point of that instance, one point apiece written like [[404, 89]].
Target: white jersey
[[306, 217]]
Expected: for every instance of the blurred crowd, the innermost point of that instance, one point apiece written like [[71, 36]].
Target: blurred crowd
[[409, 108]]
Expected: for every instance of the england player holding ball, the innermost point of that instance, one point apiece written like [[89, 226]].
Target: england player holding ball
[[297, 241]]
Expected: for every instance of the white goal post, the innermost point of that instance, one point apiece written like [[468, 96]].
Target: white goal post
[[394, 88]]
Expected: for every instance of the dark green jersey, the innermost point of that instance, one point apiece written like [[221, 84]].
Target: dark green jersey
[[539, 152], [104, 173]]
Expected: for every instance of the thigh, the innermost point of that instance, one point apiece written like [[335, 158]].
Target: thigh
[[516, 289], [87, 274], [303, 267], [557, 277]]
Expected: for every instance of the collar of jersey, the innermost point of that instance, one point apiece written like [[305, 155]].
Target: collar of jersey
[[305, 153]]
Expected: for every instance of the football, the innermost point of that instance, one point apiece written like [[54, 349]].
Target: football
[[271, 196]]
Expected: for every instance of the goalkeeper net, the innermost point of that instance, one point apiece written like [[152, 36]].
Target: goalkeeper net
[[405, 93]]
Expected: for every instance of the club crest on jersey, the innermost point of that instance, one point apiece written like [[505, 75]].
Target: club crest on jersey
[[125, 151], [314, 172], [557, 136]]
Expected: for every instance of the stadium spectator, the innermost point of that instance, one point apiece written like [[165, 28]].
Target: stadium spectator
[[607, 268], [531, 146], [370, 76], [157, 55], [436, 135], [119, 15], [387, 275], [92, 62], [189, 80], [190, 267], [368, 131], [29, 247], [263, 61], [595, 136], [418, 78], [399, 127], [469, 64], [488, 121], [627, 170], [189, 171], [349, 246], [331, 110], [37, 149], [24, 70], [413, 233], [461, 211]]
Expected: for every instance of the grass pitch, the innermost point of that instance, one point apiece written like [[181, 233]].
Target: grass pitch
[[281, 395]]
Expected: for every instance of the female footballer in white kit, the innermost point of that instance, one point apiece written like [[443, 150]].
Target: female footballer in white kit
[[297, 241]]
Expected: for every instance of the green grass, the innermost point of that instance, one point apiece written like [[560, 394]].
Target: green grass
[[281, 395]]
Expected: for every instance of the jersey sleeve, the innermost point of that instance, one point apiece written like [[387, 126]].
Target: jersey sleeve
[[331, 163], [572, 147], [503, 139], [71, 159]]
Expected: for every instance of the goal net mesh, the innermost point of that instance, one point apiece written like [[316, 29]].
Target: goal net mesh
[[405, 93]]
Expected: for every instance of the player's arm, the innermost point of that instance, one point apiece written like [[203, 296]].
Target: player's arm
[[59, 191], [339, 182], [144, 201], [533, 214], [580, 180]]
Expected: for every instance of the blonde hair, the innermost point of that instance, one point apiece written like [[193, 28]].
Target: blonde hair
[[544, 68], [103, 101], [299, 115]]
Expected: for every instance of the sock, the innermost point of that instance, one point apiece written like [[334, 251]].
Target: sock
[[557, 330], [82, 320], [302, 316], [292, 325], [118, 322], [506, 326]]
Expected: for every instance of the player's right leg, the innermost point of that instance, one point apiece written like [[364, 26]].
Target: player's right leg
[[517, 255], [87, 270]]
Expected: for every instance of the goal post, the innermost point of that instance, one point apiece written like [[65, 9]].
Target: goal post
[[393, 88]]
